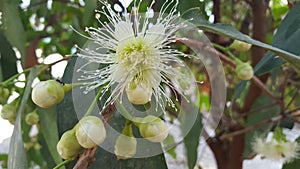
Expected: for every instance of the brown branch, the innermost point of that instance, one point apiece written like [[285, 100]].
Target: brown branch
[[287, 115], [262, 86], [88, 156], [63, 59], [292, 99], [251, 128]]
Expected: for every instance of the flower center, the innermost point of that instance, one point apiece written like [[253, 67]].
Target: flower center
[[136, 53]]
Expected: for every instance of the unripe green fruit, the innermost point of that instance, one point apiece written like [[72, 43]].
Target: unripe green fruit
[[47, 93], [32, 118], [125, 147], [4, 95], [90, 131], [139, 93], [240, 46], [154, 130], [244, 71], [68, 146]]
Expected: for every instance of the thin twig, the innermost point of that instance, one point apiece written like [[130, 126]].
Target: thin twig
[[63, 59], [251, 128], [293, 98], [262, 86], [258, 109]]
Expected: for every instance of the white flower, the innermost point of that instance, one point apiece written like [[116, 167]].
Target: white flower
[[278, 150], [135, 54]]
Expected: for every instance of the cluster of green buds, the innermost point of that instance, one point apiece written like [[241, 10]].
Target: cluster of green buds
[[150, 127], [243, 70], [32, 144], [4, 95], [88, 133], [9, 111], [49, 93]]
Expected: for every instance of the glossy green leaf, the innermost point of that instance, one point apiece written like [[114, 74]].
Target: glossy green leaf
[[8, 59], [170, 141], [89, 13], [195, 16], [3, 157], [17, 155], [12, 25], [48, 122], [191, 140], [286, 37], [240, 87]]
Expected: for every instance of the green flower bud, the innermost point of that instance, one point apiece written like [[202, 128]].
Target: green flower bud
[[244, 71], [138, 93], [47, 93], [4, 95], [32, 118], [126, 144], [37, 146], [9, 111], [240, 46], [154, 129], [90, 131], [28, 146], [68, 146]]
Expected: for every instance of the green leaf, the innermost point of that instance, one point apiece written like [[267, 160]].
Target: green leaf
[[3, 157], [13, 27], [195, 16], [286, 37], [17, 155], [48, 122], [170, 141], [66, 115], [294, 164], [89, 9], [191, 140], [8, 59], [240, 87]]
